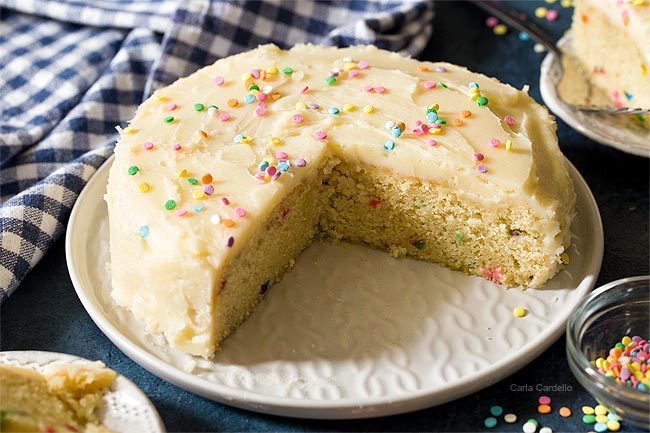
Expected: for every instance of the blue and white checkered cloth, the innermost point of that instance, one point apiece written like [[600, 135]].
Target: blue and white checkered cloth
[[70, 71]]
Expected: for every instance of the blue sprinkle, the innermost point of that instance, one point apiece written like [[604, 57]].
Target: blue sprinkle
[[263, 166], [333, 110], [249, 99], [600, 427], [490, 422], [613, 417], [628, 95], [495, 410], [432, 116], [389, 145], [283, 166], [199, 208], [396, 132], [642, 387], [144, 231], [523, 36], [473, 85], [238, 138]]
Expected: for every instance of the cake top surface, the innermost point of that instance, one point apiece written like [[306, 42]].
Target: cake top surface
[[213, 151]]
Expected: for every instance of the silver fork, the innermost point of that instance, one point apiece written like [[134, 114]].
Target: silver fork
[[512, 17]]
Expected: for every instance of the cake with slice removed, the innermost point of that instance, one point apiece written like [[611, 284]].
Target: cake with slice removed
[[222, 178]]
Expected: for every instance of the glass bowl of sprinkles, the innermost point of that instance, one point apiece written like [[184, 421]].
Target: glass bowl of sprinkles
[[609, 351]]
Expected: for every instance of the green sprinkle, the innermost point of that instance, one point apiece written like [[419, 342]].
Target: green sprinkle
[[170, 204], [441, 122], [481, 101], [431, 110], [330, 80], [495, 410], [133, 170], [253, 87], [442, 84], [419, 244], [192, 181], [169, 119], [458, 238], [199, 107], [640, 118], [534, 421], [620, 346], [589, 419], [287, 71]]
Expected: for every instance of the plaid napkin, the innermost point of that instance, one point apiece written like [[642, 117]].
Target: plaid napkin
[[70, 71]]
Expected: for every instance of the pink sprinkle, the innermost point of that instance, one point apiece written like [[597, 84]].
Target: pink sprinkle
[[353, 73], [225, 201], [380, 89], [491, 22], [148, 145], [297, 118], [425, 128], [363, 64], [544, 400], [368, 88], [176, 146], [478, 157], [259, 175], [271, 170], [417, 122], [321, 135], [255, 73], [552, 15], [240, 212], [435, 126], [171, 107], [260, 111], [441, 69], [431, 142], [276, 176], [418, 131], [494, 142], [481, 168], [304, 89], [219, 80], [429, 85], [181, 213], [262, 96], [224, 116], [300, 162], [281, 155], [208, 189], [509, 120]]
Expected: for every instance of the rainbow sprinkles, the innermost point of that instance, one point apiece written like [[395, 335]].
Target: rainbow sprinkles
[[222, 178]]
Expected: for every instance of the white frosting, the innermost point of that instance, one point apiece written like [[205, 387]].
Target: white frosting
[[200, 240]]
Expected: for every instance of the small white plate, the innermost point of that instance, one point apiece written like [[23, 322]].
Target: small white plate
[[126, 408], [616, 131], [350, 332]]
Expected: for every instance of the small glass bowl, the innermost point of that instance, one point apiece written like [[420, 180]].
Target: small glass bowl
[[599, 321]]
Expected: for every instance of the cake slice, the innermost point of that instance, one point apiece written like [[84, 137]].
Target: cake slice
[[611, 42], [222, 178]]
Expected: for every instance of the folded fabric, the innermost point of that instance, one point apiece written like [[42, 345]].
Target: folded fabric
[[71, 71]]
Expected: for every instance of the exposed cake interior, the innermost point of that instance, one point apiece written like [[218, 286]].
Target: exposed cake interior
[[210, 205]]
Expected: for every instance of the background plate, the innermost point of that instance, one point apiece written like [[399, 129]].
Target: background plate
[[619, 132], [126, 408], [350, 332]]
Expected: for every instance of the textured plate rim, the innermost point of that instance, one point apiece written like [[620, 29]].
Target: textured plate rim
[[121, 382], [552, 100], [344, 408]]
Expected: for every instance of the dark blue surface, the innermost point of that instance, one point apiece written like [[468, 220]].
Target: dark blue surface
[[45, 313]]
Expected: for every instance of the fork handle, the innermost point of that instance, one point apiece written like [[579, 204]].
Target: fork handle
[[512, 17]]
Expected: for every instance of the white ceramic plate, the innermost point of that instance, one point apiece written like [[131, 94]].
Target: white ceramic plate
[[126, 408], [615, 131], [350, 332]]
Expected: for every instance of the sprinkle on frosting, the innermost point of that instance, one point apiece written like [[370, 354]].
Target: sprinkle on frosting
[[133, 170], [170, 204], [143, 231]]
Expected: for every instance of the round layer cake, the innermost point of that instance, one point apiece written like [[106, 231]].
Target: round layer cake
[[222, 178]]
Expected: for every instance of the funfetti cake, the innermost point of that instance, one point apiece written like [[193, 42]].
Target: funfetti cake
[[611, 42], [222, 178]]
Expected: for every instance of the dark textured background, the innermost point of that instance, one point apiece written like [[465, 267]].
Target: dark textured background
[[45, 313]]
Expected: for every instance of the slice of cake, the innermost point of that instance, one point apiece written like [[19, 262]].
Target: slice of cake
[[64, 399], [611, 42], [222, 178]]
